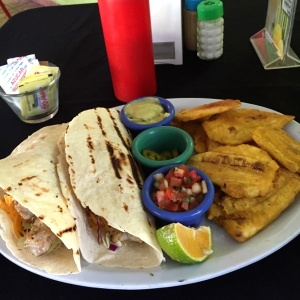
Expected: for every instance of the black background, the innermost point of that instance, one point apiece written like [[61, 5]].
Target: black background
[[71, 37]]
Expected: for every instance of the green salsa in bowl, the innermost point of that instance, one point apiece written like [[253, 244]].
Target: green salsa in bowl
[[147, 112], [161, 146]]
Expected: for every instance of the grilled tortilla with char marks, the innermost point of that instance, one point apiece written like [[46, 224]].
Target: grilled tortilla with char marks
[[29, 176], [105, 181]]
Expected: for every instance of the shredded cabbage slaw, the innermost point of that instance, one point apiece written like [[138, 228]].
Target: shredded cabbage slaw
[[7, 205]]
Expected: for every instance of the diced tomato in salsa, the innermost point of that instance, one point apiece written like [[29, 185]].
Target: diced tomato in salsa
[[177, 195], [175, 181], [165, 203]]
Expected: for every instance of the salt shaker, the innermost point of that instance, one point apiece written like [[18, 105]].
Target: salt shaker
[[210, 29], [190, 24]]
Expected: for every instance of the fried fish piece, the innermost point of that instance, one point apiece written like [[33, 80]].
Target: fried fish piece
[[240, 171], [206, 110], [241, 225], [280, 145], [236, 126]]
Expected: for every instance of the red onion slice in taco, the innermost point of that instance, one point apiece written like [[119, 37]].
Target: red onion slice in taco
[[103, 184], [35, 222]]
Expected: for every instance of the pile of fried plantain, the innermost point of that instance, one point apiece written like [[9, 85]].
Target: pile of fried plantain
[[253, 162]]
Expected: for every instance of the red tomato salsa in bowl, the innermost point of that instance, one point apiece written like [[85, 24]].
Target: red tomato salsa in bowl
[[178, 193], [181, 189]]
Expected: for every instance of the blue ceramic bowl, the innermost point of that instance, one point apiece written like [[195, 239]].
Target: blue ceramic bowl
[[159, 139], [192, 217], [135, 127]]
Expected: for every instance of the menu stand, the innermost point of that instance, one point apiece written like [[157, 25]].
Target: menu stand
[[272, 43]]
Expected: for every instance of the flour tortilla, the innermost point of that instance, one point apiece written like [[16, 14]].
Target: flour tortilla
[[29, 175], [105, 178]]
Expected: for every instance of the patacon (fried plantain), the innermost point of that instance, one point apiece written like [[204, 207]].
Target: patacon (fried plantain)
[[240, 171], [206, 110], [236, 126], [242, 224], [280, 145], [200, 139], [233, 205]]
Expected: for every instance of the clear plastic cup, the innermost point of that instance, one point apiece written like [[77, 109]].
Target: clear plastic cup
[[36, 106]]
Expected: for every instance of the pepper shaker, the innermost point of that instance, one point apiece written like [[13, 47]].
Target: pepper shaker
[[210, 29], [190, 24]]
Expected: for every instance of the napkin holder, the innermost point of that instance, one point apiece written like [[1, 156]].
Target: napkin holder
[[166, 31], [272, 43], [166, 20]]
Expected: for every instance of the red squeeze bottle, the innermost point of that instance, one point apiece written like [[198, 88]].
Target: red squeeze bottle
[[127, 34]]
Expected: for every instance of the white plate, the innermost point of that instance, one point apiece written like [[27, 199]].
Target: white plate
[[228, 255]]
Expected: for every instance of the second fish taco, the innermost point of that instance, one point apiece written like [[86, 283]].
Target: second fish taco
[[103, 183], [35, 222]]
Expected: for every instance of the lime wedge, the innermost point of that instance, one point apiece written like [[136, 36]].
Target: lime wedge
[[186, 245]]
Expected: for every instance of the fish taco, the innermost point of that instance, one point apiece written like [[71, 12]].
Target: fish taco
[[35, 222], [102, 183]]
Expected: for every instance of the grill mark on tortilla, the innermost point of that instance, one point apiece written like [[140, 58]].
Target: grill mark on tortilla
[[149, 223], [18, 165], [99, 121], [126, 144], [91, 148], [70, 159], [125, 206], [129, 179], [116, 163], [28, 178], [90, 143], [125, 141], [70, 229], [135, 171]]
